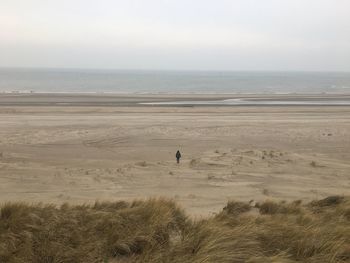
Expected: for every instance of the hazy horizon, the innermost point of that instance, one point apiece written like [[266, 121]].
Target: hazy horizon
[[236, 35], [170, 70]]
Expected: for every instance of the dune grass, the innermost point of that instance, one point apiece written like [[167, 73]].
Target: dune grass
[[158, 230]]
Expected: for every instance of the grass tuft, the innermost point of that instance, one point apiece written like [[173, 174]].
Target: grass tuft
[[158, 230], [236, 208], [328, 201]]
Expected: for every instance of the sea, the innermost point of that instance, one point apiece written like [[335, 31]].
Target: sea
[[25, 80]]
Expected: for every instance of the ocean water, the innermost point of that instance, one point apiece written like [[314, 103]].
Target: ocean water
[[118, 81]]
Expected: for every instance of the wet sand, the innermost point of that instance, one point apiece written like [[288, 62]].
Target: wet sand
[[77, 149]]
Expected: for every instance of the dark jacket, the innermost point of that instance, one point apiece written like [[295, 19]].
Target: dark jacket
[[178, 155]]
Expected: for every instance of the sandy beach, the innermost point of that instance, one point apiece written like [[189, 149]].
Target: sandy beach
[[56, 148]]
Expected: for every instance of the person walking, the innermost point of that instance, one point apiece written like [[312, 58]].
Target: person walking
[[178, 156]]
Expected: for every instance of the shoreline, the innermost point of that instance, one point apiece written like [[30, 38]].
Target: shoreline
[[173, 100]]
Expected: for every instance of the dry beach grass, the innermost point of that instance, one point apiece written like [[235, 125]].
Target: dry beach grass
[[157, 230]]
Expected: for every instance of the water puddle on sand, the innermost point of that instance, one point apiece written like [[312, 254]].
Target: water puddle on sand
[[256, 102]]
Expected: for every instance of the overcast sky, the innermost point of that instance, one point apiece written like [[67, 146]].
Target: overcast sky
[[176, 34]]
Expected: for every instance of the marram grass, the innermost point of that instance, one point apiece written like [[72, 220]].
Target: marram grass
[[157, 230]]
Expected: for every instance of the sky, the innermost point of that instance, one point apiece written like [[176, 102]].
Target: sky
[[311, 35]]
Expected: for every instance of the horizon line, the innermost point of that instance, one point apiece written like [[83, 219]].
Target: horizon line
[[172, 70]]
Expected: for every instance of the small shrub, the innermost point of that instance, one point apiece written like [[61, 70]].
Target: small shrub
[[270, 208], [328, 201], [313, 164], [236, 208]]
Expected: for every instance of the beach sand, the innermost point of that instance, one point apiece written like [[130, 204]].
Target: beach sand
[[79, 154]]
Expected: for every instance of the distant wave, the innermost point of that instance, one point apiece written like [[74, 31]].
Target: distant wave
[[242, 102]]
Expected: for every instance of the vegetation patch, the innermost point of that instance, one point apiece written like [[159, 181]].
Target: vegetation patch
[[157, 230]]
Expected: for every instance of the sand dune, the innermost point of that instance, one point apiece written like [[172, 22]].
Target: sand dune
[[80, 154]]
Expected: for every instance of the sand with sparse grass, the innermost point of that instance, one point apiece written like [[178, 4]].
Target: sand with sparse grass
[[83, 154], [94, 183]]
